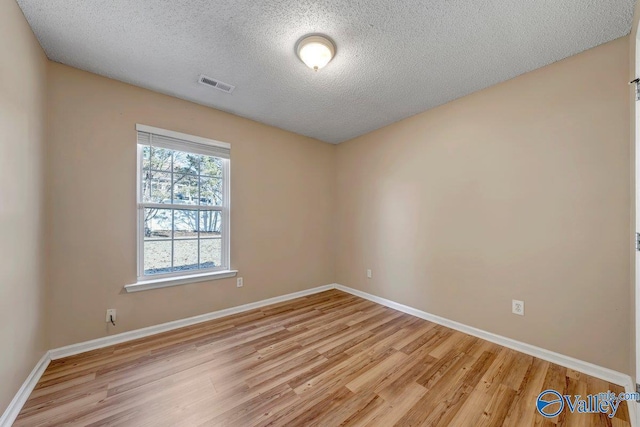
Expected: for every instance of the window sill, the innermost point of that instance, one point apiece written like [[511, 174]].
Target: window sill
[[181, 280]]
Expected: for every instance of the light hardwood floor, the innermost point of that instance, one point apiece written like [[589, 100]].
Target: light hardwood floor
[[324, 360]]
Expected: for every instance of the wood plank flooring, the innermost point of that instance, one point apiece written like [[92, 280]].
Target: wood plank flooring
[[325, 360]]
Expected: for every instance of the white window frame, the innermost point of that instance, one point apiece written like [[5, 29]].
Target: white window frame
[[145, 282]]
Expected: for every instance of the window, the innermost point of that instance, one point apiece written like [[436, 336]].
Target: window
[[183, 205]]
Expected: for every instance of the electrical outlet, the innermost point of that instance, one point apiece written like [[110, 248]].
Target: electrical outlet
[[111, 313], [239, 282], [517, 307], [369, 274]]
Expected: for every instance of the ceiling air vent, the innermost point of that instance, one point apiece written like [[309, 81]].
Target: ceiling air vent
[[225, 87]]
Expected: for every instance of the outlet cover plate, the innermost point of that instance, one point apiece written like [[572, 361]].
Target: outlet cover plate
[[110, 312], [517, 307]]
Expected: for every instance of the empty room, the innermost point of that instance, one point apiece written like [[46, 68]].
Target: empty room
[[319, 213]]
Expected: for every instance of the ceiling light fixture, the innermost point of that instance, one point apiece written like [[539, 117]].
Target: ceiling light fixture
[[315, 50]]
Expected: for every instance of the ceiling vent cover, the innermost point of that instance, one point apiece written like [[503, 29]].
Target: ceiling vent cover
[[208, 81]]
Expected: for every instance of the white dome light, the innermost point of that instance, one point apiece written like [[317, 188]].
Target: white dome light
[[315, 51]]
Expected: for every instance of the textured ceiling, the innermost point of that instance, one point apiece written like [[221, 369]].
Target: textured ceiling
[[394, 58]]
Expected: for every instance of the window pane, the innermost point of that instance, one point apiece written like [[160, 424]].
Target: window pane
[[185, 224], [210, 191], [157, 224], [211, 166], [185, 255], [156, 187], [185, 189], [186, 163], [160, 159], [210, 223], [157, 257], [210, 253]]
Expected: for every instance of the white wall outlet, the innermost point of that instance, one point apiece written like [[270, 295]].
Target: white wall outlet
[[111, 315], [369, 274], [239, 282], [517, 307]]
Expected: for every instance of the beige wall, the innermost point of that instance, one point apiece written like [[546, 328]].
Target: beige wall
[[520, 191], [282, 206], [22, 94]]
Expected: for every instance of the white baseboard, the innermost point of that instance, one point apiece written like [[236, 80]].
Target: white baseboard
[[82, 347], [630, 387], [569, 362], [14, 408]]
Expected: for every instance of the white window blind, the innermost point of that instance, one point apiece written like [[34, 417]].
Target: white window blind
[[176, 141]]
